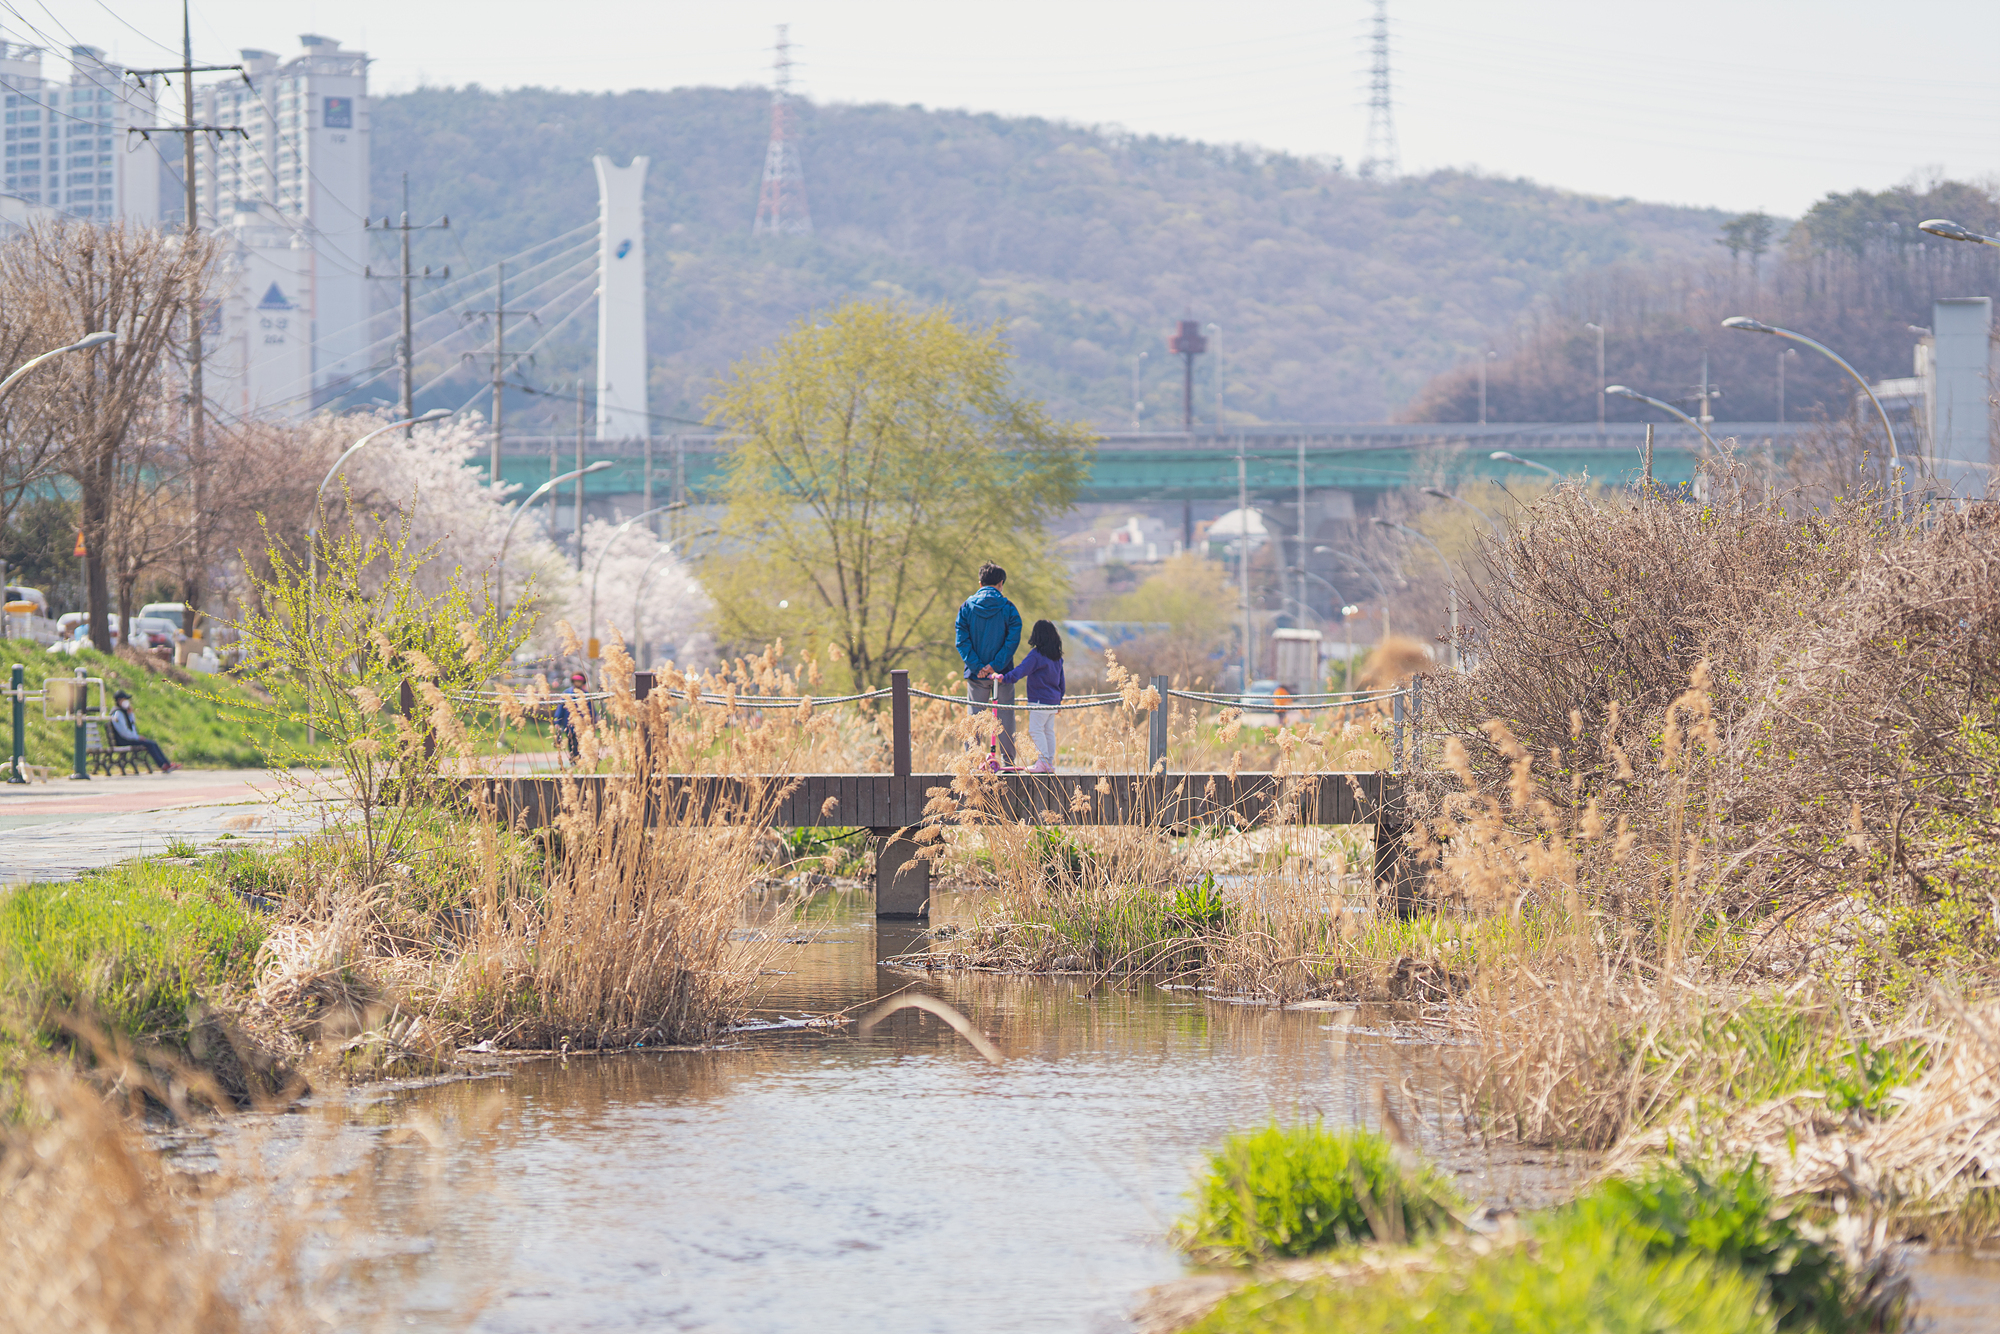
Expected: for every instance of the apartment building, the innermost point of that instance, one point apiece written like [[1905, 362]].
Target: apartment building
[[290, 194], [67, 145]]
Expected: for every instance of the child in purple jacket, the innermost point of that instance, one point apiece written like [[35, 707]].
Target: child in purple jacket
[[1042, 669]]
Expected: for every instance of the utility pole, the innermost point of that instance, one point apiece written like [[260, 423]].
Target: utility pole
[[407, 353], [579, 472], [1243, 555], [498, 315], [187, 129], [1302, 524]]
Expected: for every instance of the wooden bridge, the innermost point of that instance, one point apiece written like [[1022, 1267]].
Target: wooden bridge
[[892, 806]]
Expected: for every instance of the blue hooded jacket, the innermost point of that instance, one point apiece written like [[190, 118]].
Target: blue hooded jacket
[[989, 630]]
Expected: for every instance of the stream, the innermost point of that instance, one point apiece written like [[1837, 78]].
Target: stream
[[810, 1179]]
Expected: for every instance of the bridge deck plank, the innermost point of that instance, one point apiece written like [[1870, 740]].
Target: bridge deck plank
[[885, 801]]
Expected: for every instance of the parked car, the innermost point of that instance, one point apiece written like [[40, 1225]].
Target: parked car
[[153, 633], [1260, 704], [174, 612]]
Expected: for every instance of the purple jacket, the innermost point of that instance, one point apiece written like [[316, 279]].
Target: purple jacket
[[1044, 677]]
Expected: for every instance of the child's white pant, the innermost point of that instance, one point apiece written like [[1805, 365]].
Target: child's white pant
[[1042, 731]]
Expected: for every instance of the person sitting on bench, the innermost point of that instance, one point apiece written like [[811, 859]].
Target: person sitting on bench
[[125, 731]]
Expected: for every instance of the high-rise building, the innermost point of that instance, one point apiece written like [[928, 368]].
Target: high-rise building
[[67, 146], [291, 195]]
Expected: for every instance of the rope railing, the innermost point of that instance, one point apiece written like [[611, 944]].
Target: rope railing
[[1288, 703], [1405, 701]]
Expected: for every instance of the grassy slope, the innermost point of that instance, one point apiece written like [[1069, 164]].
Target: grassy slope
[[132, 948], [192, 730], [1340, 297]]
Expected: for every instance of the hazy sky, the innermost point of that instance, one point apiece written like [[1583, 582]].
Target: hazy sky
[[1744, 104]]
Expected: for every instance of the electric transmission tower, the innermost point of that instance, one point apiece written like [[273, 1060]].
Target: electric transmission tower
[[781, 205], [1381, 157]]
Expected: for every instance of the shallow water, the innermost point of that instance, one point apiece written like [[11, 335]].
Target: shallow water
[[821, 1181]]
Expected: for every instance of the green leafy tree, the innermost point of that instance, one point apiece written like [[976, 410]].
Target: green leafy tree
[[878, 458], [334, 644]]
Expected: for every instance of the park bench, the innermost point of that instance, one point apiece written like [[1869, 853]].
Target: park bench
[[102, 756]]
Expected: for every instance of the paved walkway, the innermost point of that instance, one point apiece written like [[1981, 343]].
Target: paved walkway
[[63, 828]]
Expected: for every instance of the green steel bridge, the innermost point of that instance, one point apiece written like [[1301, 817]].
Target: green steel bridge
[[1202, 465]]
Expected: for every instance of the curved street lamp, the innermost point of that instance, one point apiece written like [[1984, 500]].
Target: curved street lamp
[[611, 542], [435, 414], [1748, 325], [500, 570], [1504, 457], [83, 344], [1951, 231], [1443, 494], [639, 592], [1450, 579], [1360, 564], [312, 530], [1621, 391]]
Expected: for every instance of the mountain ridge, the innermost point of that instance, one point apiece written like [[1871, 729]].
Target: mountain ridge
[[1339, 298]]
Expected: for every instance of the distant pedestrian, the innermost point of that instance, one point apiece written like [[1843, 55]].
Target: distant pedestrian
[[125, 731], [989, 630], [573, 709], [1042, 669]]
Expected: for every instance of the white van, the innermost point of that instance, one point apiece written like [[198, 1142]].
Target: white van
[[177, 612]]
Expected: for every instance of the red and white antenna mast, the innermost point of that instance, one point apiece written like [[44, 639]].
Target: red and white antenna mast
[[781, 205]]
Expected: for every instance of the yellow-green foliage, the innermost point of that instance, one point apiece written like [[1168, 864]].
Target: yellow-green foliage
[[878, 459], [1577, 1280], [1301, 1189]]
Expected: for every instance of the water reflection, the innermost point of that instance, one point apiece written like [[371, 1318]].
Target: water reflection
[[820, 1181]]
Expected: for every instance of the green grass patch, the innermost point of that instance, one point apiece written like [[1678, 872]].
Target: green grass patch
[[135, 948], [1730, 1214], [1576, 1280], [1301, 1189], [190, 729], [1679, 1250]]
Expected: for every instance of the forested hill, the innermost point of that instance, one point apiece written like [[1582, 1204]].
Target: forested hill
[[1339, 297]]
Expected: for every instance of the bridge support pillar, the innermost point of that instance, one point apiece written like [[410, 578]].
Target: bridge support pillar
[[902, 878], [1395, 869]]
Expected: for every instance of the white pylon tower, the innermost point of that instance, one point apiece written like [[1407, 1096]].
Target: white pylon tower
[[1381, 158], [781, 205]]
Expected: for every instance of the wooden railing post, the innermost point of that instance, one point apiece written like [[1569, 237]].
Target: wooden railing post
[[1396, 744], [899, 721], [1156, 740]]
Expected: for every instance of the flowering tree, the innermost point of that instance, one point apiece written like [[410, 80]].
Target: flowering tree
[[635, 569]]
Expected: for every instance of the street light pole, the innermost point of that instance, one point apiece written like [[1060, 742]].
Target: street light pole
[[611, 542], [639, 591], [500, 572], [312, 531], [1443, 494], [1749, 325], [1450, 579], [1503, 456], [83, 344], [1951, 231], [1600, 375], [1622, 392]]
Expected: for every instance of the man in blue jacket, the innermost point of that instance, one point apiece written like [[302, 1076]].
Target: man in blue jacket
[[989, 630]]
